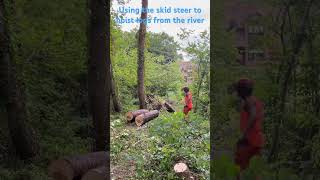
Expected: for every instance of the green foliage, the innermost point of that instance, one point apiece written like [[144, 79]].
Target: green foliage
[[172, 139], [161, 44], [155, 148], [224, 168], [124, 59], [49, 48], [223, 50], [198, 49]]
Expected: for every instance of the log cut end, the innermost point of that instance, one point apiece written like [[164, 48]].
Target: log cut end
[[129, 116], [139, 120], [61, 170], [96, 174], [180, 167]]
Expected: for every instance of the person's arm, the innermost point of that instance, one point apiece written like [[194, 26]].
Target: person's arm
[[252, 116]]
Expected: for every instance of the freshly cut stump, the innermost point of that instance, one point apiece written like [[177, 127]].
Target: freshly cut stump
[[97, 174], [169, 107], [133, 114], [182, 170], [146, 117], [69, 168]]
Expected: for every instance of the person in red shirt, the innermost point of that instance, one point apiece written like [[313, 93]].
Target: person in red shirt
[[251, 117], [187, 101]]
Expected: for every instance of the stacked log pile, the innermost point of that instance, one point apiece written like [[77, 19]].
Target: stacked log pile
[[142, 116], [130, 116], [156, 103]]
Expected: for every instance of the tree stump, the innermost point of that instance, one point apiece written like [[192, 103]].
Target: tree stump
[[133, 114], [69, 168], [146, 117], [181, 169], [97, 174]]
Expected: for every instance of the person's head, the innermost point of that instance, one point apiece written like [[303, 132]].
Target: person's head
[[185, 89], [244, 87]]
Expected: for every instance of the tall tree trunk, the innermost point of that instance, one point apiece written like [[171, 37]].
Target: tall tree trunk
[[291, 66], [21, 134], [141, 47], [115, 98], [99, 71]]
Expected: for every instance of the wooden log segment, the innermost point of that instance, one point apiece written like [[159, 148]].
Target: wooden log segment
[[99, 173], [130, 116], [182, 170], [69, 168], [146, 117], [169, 107]]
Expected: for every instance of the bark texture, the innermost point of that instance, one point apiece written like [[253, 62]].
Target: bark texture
[[74, 167], [169, 107], [115, 97], [133, 114], [97, 174], [141, 47], [21, 134], [146, 117], [99, 71]]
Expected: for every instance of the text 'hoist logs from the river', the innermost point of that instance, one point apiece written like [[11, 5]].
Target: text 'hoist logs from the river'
[[159, 19]]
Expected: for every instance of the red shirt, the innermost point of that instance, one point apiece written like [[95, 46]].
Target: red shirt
[[255, 135], [188, 100]]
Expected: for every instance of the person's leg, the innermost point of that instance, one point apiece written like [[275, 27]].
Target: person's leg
[[255, 151], [185, 112], [242, 156], [245, 152]]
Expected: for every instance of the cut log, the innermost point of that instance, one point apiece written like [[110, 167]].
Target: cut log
[[133, 114], [69, 168], [146, 117], [97, 174], [181, 169], [169, 107]]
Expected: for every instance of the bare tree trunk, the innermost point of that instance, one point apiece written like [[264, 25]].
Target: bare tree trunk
[[21, 134], [141, 47], [99, 71], [201, 76], [115, 98]]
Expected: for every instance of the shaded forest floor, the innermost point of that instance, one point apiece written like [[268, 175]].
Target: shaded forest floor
[[125, 139]]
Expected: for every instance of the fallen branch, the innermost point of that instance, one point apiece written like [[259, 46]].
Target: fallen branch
[[169, 107]]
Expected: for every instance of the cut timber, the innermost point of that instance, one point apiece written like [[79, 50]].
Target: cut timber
[[182, 170], [97, 174], [169, 107], [69, 168], [144, 118], [133, 114]]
